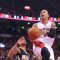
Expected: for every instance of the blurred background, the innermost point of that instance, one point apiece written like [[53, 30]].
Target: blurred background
[[17, 16]]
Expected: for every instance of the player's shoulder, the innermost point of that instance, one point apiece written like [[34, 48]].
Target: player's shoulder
[[51, 22], [35, 24]]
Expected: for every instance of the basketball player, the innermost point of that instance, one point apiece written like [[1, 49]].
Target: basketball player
[[40, 49], [47, 27], [19, 49]]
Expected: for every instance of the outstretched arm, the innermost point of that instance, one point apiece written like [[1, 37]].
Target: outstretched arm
[[16, 48], [13, 51]]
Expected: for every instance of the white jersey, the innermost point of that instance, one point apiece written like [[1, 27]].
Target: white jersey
[[46, 27], [40, 25], [37, 50]]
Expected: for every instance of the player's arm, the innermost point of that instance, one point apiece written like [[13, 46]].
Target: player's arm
[[13, 51], [52, 31]]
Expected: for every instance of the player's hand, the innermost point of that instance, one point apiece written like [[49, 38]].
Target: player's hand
[[21, 41], [44, 32]]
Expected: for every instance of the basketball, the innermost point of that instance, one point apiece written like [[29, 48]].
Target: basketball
[[34, 33]]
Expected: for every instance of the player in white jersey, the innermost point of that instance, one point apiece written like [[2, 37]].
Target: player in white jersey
[[40, 49], [45, 25]]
